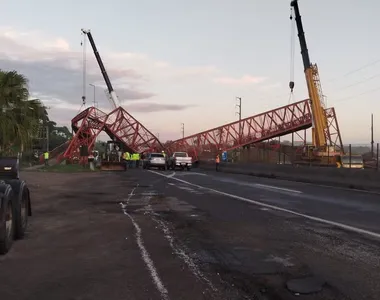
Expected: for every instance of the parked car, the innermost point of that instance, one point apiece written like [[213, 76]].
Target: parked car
[[155, 160]]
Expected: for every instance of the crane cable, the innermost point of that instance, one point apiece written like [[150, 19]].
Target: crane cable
[[292, 54], [83, 44]]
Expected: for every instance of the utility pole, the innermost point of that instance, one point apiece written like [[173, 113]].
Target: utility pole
[[372, 142], [94, 100], [239, 114], [46, 123], [183, 129], [47, 138]]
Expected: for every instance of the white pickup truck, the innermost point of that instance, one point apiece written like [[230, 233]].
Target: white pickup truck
[[180, 160]]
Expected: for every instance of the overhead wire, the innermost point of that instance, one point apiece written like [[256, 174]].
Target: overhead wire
[[292, 55], [358, 95], [84, 69]]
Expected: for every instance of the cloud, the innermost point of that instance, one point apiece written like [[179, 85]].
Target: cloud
[[155, 107], [64, 112], [271, 86], [244, 80], [55, 72]]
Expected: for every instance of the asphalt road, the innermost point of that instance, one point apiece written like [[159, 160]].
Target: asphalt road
[[193, 235], [334, 233]]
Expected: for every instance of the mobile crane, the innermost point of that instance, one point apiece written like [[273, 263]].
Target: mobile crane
[[112, 95], [319, 153], [109, 162]]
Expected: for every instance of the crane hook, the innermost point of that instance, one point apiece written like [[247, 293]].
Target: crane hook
[[291, 86]]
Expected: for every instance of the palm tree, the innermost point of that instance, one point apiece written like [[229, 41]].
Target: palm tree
[[20, 118]]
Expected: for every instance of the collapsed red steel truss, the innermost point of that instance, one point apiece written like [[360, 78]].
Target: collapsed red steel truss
[[131, 132], [268, 125], [333, 133], [118, 124], [274, 123], [87, 125]]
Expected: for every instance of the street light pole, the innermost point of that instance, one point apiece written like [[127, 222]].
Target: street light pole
[[183, 129], [94, 94], [372, 141], [239, 114]]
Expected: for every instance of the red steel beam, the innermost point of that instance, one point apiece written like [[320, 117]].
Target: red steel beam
[[118, 124], [278, 122], [131, 132], [87, 125]]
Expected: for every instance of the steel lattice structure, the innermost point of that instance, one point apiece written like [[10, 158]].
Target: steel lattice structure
[[131, 132], [333, 136], [273, 123], [122, 126], [87, 125], [119, 125]]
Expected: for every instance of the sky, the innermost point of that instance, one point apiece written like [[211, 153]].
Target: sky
[[174, 62]]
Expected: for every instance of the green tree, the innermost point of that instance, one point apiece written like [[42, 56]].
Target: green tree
[[20, 118]]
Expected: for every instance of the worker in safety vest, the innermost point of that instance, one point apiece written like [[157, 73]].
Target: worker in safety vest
[[217, 162], [138, 160], [127, 158], [46, 158], [133, 160]]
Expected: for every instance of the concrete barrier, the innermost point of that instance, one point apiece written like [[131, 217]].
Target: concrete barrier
[[348, 178]]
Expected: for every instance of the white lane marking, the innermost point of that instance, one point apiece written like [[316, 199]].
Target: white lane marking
[[335, 187], [259, 186], [144, 253], [188, 189], [179, 251], [323, 185], [271, 187], [191, 173], [320, 220]]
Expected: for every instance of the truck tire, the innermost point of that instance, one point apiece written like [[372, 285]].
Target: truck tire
[[6, 218], [22, 207]]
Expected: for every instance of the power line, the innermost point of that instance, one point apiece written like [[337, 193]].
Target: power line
[[362, 81], [357, 83], [358, 95], [353, 71], [363, 67]]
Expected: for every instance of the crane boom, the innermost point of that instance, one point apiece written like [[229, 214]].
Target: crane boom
[[320, 124], [111, 91]]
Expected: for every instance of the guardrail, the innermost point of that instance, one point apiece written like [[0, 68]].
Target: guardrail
[[362, 179]]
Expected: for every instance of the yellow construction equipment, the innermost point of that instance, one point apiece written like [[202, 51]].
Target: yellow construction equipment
[[112, 159], [319, 153]]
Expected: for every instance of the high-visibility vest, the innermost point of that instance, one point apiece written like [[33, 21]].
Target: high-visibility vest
[[217, 160], [46, 155]]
